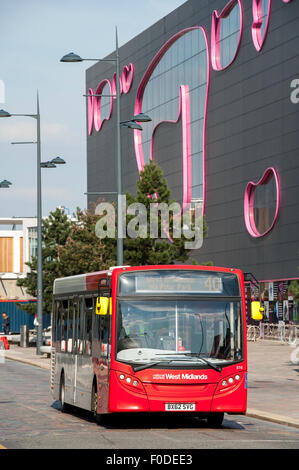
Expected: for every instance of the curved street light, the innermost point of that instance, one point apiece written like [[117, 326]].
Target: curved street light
[[40, 165], [131, 124], [52, 163], [5, 184]]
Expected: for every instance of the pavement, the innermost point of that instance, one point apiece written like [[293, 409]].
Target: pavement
[[273, 378]]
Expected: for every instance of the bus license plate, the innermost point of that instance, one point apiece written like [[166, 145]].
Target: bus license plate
[[179, 406]]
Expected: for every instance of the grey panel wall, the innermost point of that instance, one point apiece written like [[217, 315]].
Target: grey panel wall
[[251, 125]]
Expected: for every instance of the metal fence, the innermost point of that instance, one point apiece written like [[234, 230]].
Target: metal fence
[[282, 332]]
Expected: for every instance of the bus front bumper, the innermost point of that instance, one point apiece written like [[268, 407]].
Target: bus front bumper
[[156, 397]]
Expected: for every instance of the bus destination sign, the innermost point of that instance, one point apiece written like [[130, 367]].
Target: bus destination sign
[[146, 283]]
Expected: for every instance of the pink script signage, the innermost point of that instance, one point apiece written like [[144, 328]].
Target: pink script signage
[[96, 117]]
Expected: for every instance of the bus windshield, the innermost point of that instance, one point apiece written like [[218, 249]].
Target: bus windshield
[[179, 330]]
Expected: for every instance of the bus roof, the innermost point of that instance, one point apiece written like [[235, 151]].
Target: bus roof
[[89, 282], [79, 283]]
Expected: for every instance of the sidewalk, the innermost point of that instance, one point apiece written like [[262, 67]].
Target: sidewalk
[[28, 356], [273, 380]]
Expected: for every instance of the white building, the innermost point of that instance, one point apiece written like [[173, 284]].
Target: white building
[[18, 243]]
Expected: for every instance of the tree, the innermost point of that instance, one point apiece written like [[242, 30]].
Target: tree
[[83, 251], [73, 247], [163, 247], [294, 289], [55, 231], [69, 248]]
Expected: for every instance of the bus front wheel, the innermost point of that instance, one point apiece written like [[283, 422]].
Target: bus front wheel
[[215, 419], [94, 400], [99, 418]]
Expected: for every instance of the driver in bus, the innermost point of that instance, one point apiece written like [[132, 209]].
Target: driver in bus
[[133, 331]]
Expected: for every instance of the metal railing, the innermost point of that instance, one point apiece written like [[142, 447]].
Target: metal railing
[[280, 332]]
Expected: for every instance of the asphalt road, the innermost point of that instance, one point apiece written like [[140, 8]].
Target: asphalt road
[[31, 420]]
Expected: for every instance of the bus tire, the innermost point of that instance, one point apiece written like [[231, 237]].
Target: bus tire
[[100, 419], [94, 401], [215, 420], [64, 406]]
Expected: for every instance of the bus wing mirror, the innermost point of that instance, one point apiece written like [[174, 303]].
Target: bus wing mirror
[[256, 311], [102, 305]]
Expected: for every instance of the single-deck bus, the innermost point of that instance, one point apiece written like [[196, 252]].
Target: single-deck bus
[[151, 339]]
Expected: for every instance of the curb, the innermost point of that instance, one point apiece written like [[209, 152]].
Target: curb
[[28, 362], [283, 420]]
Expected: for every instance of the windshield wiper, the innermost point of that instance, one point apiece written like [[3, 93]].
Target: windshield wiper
[[214, 366], [199, 356], [152, 364]]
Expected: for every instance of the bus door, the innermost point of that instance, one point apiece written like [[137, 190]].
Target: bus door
[[83, 352], [67, 348], [104, 360]]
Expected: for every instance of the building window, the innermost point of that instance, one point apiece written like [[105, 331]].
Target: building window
[[261, 203], [261, 16], [178, 85], [32, 235], [264, 205], [226, 33]]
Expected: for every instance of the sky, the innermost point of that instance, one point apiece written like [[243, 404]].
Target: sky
[[34, 35]]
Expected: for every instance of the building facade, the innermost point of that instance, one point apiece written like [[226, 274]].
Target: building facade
[[220, 81], [18, 244]]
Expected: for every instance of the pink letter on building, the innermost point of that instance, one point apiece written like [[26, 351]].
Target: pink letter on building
[[182, 114], [249, 202], [258, 23], [217, 18]]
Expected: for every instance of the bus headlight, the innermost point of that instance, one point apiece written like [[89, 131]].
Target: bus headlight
[[229, 383], [130, 382]]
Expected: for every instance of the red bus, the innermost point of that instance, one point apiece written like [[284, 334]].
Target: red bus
[[156, 339]]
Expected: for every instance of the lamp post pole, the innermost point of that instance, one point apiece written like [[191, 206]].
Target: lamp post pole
[[120, 249], [40, 165], [39, 231], [39, 338], [133, 124]]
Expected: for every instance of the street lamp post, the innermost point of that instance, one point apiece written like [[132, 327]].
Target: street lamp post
[[39, 222], [39, 225], [70, 58]]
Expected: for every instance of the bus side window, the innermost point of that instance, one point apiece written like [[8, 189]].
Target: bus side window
[[88, 325], [64, 320], [105, 335], [96, 335], [80, 326], [56, 333], [70, 326], [76, 325]]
